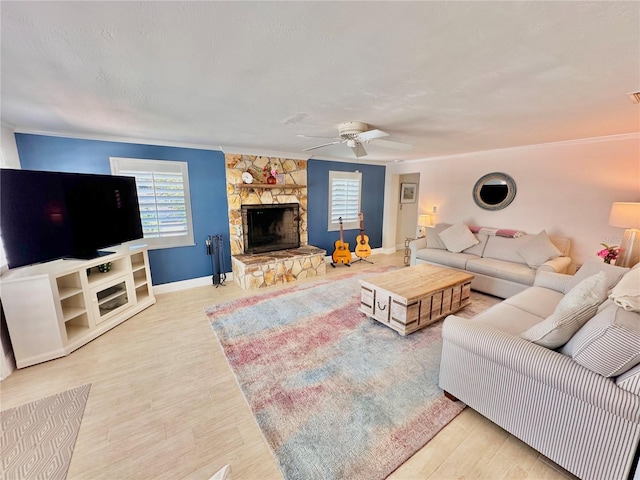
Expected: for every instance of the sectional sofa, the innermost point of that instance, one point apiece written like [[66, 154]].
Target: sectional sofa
[[503, 262], [558, 366]]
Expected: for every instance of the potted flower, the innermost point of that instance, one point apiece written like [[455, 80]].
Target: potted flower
[[609, 253], [270, 173]]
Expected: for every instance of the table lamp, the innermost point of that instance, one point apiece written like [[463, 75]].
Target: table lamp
[[423, 222], [627, 215]]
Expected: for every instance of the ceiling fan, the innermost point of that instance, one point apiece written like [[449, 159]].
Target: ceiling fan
[[355, 134]]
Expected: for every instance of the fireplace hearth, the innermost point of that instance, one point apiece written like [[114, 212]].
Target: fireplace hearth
[[268, 228]]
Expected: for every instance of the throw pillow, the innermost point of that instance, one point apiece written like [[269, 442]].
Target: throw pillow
[[592, 290], [538, 250], [433, 237], [571, 313], [626, 293], [593, 266], [556, 329], [458, 237], [609, 343]]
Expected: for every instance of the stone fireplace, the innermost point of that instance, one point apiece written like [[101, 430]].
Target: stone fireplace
[[293, 259], [267, 228]]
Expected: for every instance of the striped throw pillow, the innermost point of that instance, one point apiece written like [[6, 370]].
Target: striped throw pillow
[[609, 344], [557, 329], [571, 313]]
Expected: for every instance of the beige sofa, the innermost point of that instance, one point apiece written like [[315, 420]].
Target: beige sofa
[[576, 400], [497, 262]]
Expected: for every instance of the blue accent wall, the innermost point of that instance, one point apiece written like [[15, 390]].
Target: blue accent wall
[[207, 183], [373, 178]]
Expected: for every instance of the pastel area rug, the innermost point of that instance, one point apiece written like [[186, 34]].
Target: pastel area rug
[[37, 439], [336, 394]]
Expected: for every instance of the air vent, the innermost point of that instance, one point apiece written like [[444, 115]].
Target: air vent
[[635, 97]]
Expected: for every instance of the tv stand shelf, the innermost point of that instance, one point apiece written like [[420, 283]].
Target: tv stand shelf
[[56, 307]]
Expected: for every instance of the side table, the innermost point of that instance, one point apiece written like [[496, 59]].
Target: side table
[[407, 251]]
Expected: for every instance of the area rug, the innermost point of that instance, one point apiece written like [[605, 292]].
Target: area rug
[[37, 439], [336, 394]]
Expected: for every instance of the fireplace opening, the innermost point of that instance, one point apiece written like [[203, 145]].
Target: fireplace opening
[[270, 227]]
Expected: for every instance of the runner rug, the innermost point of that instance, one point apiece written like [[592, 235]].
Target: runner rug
[[336, 394], [37, 439]]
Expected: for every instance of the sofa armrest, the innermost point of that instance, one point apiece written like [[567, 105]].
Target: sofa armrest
[[552, 281], [414, 246], [540, 365], [557, 265]]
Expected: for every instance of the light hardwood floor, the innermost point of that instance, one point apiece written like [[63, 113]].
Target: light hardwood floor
[[164, 404]]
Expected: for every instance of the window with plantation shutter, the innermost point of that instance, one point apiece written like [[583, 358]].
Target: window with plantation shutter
[[344, 199], [163, 195]]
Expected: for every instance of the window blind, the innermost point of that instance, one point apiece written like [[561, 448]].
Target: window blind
[[344, 199], [162, 203], [163, 196]]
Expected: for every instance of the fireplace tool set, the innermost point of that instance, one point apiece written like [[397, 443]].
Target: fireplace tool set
[[215, 249]]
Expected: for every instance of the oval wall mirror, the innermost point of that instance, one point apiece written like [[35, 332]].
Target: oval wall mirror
[[494, 191]]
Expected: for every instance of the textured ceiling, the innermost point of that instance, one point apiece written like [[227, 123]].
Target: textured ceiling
[[447, 77]]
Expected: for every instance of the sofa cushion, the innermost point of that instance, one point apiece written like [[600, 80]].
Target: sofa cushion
[[571, 313], [502, 248], [538, 301], [593, 266], [433, 236], [515, 272], [458, 237], [479, 248], [626, 293], [538, 250], [446, 258], [609, 343], [507, 318]]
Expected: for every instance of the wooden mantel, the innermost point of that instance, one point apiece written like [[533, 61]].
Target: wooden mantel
[[270, 185]]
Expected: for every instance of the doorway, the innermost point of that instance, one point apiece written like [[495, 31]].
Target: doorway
[[407, 210]]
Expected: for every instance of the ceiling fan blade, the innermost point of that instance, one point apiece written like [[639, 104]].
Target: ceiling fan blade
[[390, 144], [370, 135], [317, 136], [359, 150], [323, 145]]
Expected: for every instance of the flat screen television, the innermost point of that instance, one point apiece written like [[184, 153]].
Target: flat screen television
[[50, 215]]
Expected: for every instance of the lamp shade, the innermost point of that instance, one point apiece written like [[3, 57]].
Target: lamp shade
[[625, 215], [424, 220]]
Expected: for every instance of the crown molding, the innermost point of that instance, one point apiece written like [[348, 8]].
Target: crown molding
[[263, 152], [579, 141], [116, 138]]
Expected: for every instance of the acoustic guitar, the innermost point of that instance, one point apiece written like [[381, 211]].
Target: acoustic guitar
[[341, 253], [363, 249]]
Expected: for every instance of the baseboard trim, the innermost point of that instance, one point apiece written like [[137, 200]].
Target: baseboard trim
[[204, 281], [187, 284]]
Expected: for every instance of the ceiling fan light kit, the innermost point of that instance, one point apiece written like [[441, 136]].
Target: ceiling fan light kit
[[354, 134]]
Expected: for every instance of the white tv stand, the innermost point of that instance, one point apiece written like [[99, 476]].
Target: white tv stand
[[56, 307]]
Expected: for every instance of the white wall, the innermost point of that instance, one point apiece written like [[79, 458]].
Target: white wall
[[8, 149], [9, 159], [566, 188]]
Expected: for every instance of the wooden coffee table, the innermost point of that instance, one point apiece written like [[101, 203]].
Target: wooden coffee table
[[411, 298]]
